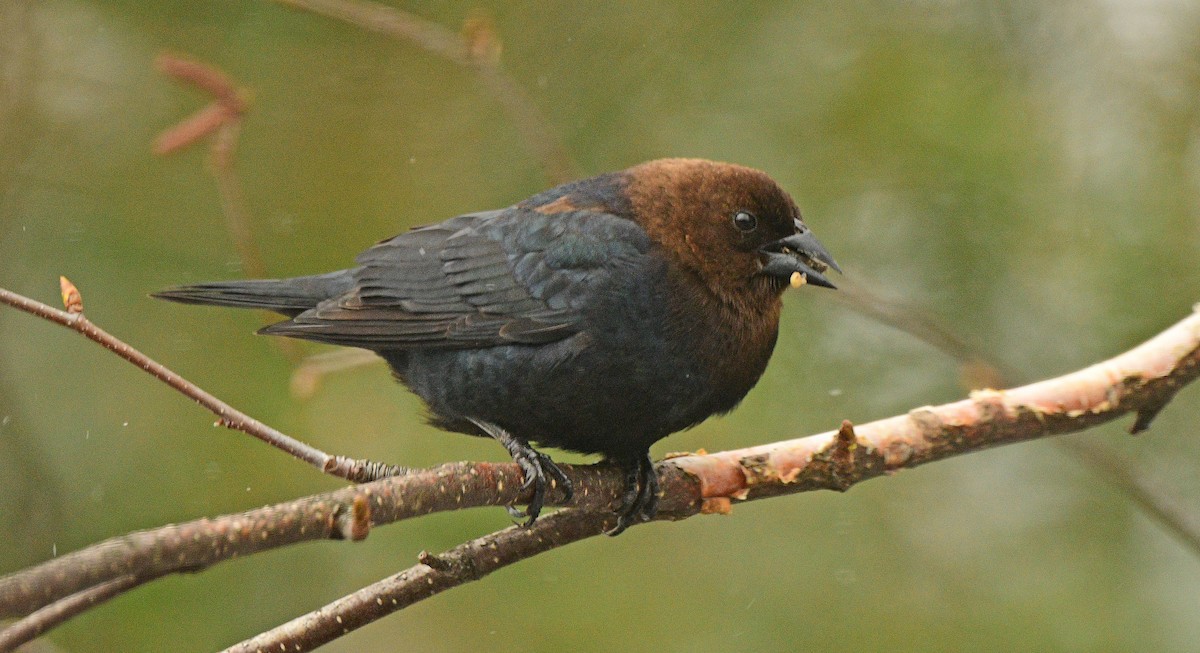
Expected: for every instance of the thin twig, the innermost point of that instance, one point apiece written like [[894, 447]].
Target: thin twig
[[43, 620], [479, 55], [228, 416]]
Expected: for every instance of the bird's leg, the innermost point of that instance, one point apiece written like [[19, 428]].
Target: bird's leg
[[535, 467], [649, 483], [639, 502]]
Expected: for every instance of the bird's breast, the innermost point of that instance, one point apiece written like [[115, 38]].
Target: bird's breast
[[730, 346]]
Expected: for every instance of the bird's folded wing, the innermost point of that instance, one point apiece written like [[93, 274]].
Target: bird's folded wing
[[483, 279]]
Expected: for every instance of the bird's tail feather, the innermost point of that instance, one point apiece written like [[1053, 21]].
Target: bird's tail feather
[[287, 296]]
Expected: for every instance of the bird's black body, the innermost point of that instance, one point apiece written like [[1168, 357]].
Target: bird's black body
[[575, 319]]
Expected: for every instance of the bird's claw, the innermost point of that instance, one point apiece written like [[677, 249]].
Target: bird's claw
[[535, 466], [556, 474], [639, 501], [535, 477], [514, 512]]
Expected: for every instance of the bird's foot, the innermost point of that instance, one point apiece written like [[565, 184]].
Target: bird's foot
[[639, 502], [537, 469]]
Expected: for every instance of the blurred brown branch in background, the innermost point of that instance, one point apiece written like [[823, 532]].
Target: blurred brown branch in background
[[976, 370], [1141, 381], [221, 118], [1146, 491], [477, 48], [309, 372]]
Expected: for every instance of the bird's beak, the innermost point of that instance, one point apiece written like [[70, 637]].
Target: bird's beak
[[799, 259]]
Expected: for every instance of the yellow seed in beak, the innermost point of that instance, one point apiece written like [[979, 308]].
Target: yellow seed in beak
[[798, 280]]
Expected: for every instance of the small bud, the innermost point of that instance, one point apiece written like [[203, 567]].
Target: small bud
[[70, 296]]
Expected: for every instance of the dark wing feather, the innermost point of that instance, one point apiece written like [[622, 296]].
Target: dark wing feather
[[482, 279]]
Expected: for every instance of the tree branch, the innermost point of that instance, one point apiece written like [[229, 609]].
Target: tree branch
[[52, 615], [1142, 380], [198, 544], [228, 416], [221, 119], [433, 575]]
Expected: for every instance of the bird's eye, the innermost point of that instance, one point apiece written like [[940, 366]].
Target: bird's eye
[[745, 221]]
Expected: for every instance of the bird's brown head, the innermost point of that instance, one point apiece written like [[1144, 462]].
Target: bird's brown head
[[731, 226]]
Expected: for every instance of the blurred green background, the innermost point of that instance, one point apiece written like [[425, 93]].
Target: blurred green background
[[1026, 173]]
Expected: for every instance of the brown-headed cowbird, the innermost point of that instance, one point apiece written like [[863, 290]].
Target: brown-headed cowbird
[[598, 317]]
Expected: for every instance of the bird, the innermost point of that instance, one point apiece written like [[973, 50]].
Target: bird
[[598, 317]]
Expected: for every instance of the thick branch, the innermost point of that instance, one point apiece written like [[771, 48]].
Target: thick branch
[[198, 544], [1140, 381]]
